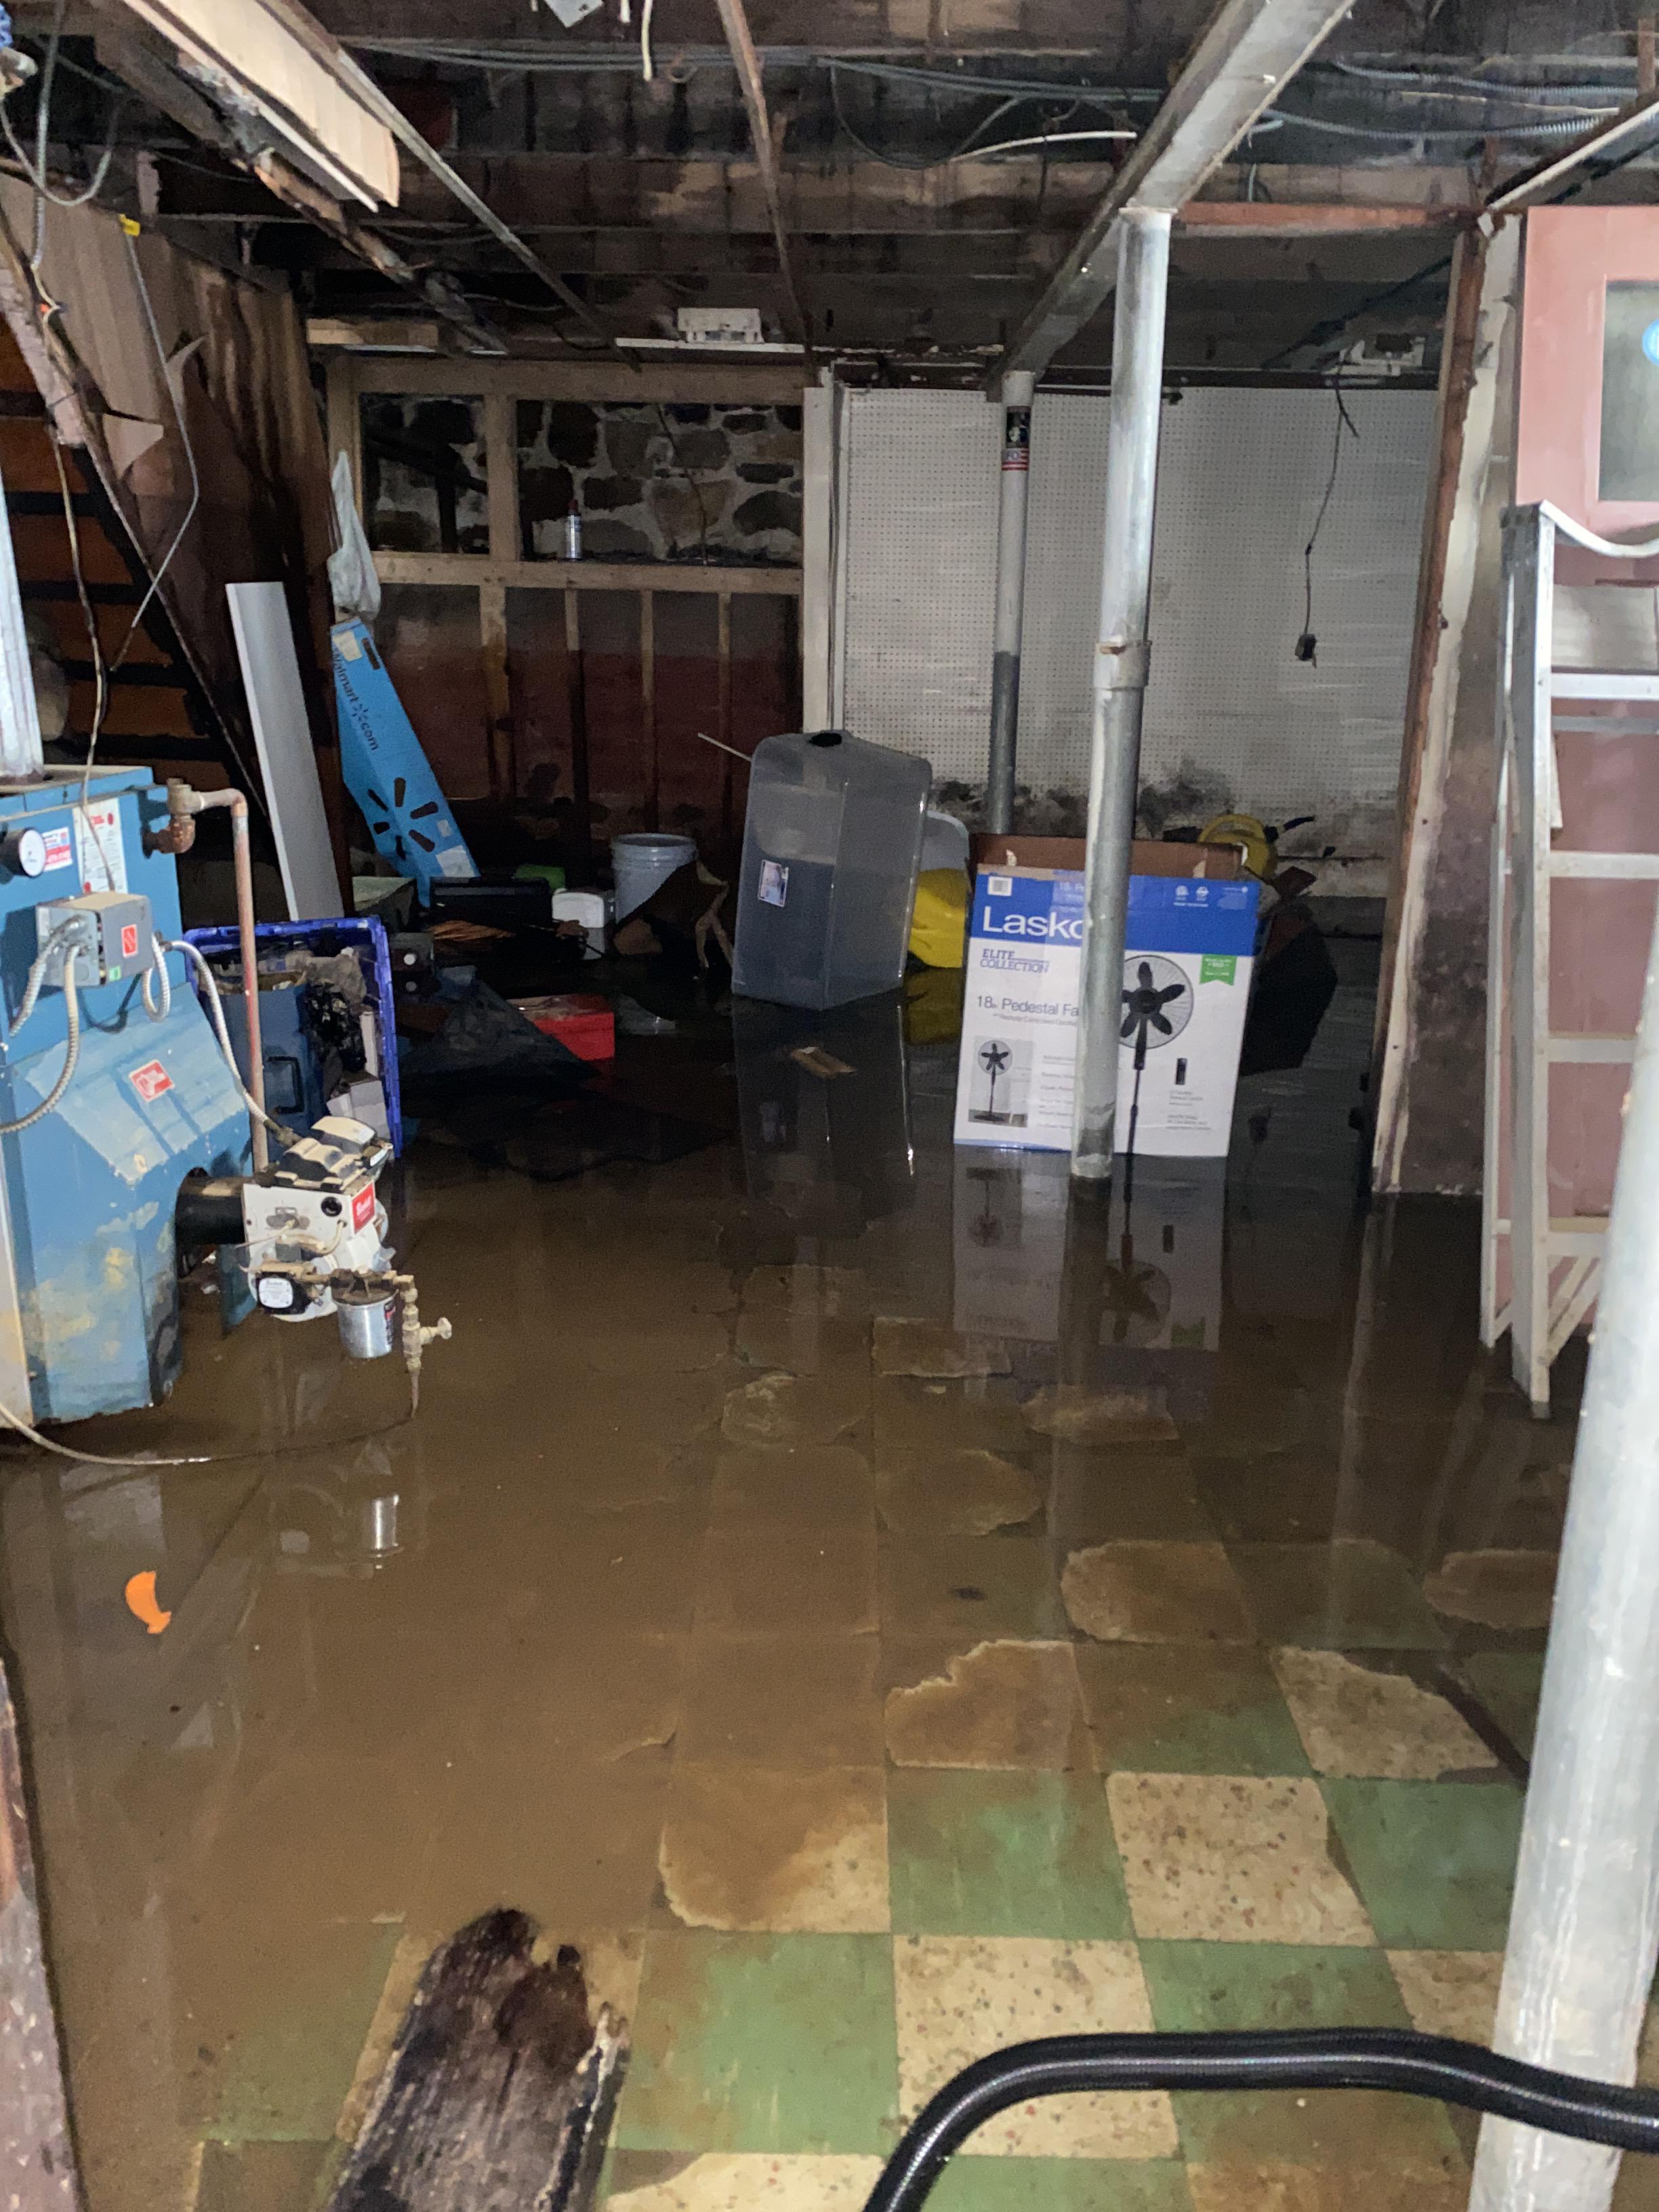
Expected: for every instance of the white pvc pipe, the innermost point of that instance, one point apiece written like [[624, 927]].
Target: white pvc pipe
[[1119, 674], [1584, 1927]]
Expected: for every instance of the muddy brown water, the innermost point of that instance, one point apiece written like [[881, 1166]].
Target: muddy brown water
[[776, 1452]]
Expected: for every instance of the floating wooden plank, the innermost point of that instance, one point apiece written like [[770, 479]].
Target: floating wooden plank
[[499, 2092]]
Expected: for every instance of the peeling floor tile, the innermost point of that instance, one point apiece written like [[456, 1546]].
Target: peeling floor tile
[[1359, 1720], [785, 1410], [743, 2181], [1075, 1415], [929, 1348], [751, 1848], [961, 1996], [961, 1494], [1327, 2188], [1498, 1590], [1156, 1593], [1002, 1705], [1450, 1992], [1228, 1858]]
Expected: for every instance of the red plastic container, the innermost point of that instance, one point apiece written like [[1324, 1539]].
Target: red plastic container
[[582, 1024]]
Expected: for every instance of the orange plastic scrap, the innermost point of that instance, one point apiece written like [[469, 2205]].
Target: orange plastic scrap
[[141, 1601]]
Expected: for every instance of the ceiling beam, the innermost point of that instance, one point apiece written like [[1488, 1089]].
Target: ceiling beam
[[1240, 65], [1614, 141], [144, 60], [735, 24], [546, 194], [306, 27]]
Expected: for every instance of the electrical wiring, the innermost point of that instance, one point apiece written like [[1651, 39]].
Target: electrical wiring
[[1053, 139], [648, 67], [966, 149], [105, 1459], [216, 1014], [1410, 137], [94, 643], [1034, 88], [42, 117], [130, 232], [1306, 644], [1476, 86], [37, 178], [1321, 333]]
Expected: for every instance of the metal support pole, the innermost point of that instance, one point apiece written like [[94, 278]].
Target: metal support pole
[[1584, 1927], [1015, 479], [1119, 674]]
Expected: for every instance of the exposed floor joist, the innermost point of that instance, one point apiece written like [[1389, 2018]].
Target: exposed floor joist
[[1249, 52], [735, 24]]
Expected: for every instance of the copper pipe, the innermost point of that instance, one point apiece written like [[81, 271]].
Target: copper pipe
[[184, 800]]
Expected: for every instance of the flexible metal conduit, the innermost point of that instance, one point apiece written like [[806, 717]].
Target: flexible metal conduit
[[1343, 2058]]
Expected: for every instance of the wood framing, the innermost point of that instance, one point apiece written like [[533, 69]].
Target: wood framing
[[500, 384], [722, 383], [478, 569]]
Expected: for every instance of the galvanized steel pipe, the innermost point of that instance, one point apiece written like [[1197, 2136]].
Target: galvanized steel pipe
[[1584, 1926], [1014, 481], [1120, 675]]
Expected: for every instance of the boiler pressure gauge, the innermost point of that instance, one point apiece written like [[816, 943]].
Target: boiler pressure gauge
[[23, 852]]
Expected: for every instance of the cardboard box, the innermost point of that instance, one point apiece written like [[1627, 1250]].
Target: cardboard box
[[1149, 856], [1190, 955]]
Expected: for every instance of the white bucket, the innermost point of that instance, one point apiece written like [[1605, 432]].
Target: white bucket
[[642, 860]]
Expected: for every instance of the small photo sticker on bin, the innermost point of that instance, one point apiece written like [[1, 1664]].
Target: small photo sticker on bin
[[773, 883], [1000, 886]]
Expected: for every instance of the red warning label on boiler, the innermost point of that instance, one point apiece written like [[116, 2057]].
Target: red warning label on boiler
[[129, 940], [362, 1206], [150, 1080]]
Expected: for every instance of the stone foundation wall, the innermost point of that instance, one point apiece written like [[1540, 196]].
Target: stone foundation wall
[[661, 482]]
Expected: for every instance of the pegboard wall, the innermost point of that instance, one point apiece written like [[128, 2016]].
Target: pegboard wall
[[1233, 718]]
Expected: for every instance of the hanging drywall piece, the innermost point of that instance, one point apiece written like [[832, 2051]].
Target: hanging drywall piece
[[287, 759], [386, 772]]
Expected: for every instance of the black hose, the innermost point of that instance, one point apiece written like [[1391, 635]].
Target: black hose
[[1338, 2058]]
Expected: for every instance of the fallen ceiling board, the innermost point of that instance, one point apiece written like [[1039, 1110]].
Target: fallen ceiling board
[[307, 98], [282, 731]]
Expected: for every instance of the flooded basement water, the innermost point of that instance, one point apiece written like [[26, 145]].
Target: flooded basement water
[[874, 1610]]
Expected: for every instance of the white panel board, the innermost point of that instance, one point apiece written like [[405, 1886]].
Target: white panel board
[[282, 731], [920, 561], [1230, 710]]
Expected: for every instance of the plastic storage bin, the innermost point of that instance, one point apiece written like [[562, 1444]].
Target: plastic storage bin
[[830, 855]]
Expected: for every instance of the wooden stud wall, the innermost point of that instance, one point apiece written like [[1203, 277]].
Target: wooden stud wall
[[502, 385]]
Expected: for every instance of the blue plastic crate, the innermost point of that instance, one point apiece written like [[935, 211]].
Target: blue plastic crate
[[340, 933]]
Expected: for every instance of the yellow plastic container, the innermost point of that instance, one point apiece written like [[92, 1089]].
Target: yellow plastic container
[[938, 927]]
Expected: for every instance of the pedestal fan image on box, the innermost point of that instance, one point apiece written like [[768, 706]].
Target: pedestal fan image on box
[[1000, 1082]]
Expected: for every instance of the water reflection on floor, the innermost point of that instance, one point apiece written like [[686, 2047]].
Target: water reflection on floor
[[877, 1609]]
